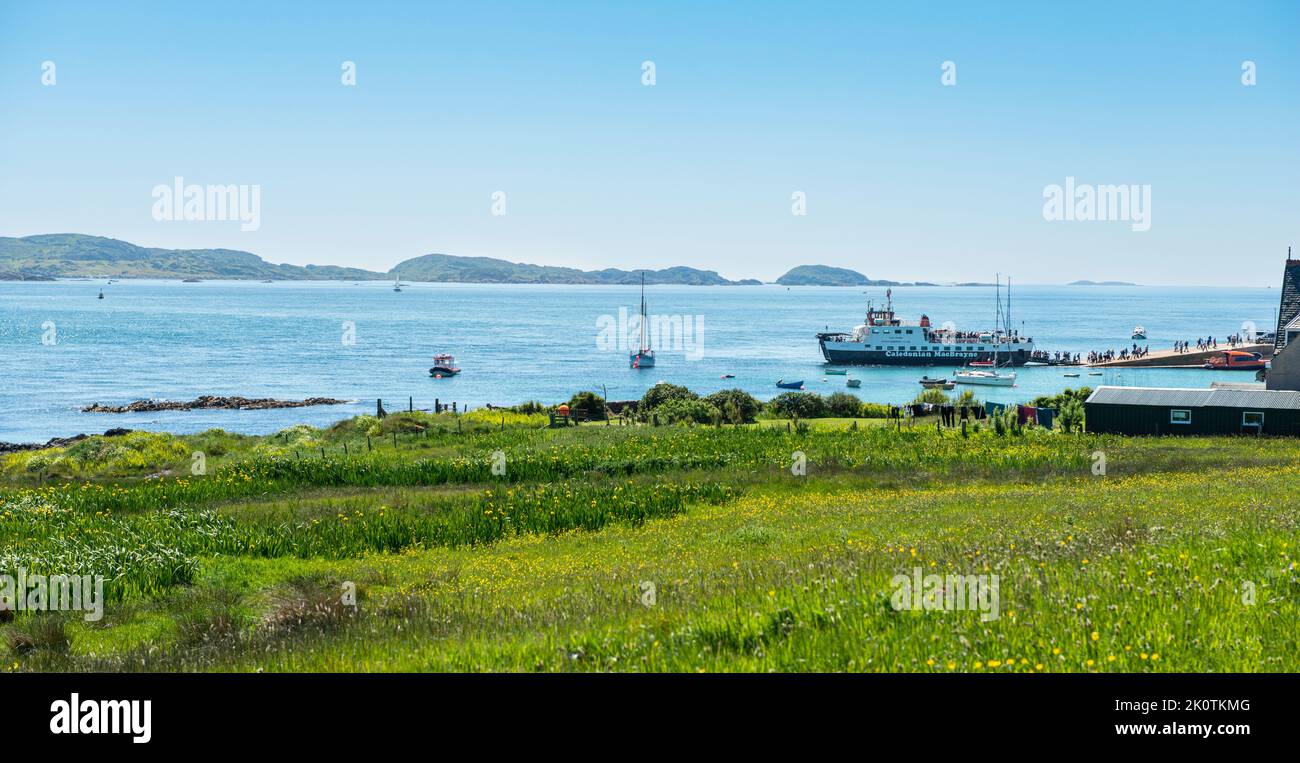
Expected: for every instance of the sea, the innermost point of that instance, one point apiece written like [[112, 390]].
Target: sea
[[62, 347]]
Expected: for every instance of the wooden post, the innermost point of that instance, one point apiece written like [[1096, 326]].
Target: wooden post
[[394, 439], [453, 407], [437, 405], [370, 446], [345, 448], [410, 404], [963, 428]]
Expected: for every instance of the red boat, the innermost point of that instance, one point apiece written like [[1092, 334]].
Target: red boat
[[1237, 360]]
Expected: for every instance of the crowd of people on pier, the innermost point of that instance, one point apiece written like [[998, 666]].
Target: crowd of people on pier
[[1128, 353]]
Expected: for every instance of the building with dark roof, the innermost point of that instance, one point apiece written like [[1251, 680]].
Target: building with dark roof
[[1171, 411], [1289, 309], [1284, 369]]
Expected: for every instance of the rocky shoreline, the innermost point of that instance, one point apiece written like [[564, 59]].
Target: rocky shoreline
[[55, 442], [211, 401]]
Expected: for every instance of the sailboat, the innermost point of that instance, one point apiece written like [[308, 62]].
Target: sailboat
[[992, 377], [644, 357], [397, 283]]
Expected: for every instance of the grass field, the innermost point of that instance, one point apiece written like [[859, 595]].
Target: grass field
[[491, 543]]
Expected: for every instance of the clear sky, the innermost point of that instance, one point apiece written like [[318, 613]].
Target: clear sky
[[905, 178]]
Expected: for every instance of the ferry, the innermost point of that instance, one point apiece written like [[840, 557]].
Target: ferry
[[1139, 333], [887, 340]]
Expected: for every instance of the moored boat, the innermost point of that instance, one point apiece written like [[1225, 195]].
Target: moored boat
[[443, 365], [854, 383], [644, 357], [986, 378], [837, 371], [789, 385]]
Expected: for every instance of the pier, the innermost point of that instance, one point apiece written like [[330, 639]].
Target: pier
[[1189, 359]]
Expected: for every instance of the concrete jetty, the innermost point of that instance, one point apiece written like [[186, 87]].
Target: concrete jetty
[[1191, 358]]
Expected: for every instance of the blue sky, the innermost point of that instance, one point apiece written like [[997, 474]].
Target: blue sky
[[904, 177]]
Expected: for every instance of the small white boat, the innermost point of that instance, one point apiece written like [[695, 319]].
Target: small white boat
[[1139, 332], [985, 378], [397, 284]]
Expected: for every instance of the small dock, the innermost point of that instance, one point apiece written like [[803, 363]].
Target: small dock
[[1189, 359]]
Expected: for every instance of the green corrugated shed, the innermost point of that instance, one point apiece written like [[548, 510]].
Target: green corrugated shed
[[1165, 411]]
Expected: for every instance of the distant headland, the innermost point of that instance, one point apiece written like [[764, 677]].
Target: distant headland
[[72, 255]]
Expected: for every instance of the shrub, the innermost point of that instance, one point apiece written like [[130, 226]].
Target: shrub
[[1070, 416], [662, 393], [843, 405], [933, 396], [798, 405], [875, 411], [737, 405], [689, 411], [591, 405]]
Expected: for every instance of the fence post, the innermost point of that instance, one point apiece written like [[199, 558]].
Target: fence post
[[410, 404], [370, 447], [394, 439]]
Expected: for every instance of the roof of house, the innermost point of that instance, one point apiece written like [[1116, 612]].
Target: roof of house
[[1197, 398], [1289, 308]]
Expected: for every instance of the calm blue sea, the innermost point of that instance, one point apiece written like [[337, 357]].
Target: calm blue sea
[[172, 340]]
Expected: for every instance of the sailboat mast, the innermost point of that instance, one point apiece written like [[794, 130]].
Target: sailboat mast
[[997, 340], [642, 348]]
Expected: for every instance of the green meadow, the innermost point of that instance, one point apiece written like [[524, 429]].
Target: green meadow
[[489, 542]]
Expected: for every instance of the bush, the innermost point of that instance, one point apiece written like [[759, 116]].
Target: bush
[[682, 410], [843, 405], [1070, 416], [591, 406], [875, 411], [798, 405], [662, 393], [736, 405], [933, 396]]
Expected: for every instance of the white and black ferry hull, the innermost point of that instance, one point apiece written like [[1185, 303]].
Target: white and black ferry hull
[[857, 353]]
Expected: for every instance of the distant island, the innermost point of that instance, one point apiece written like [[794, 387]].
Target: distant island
[[827, 275], [1100, 283], [72, 255], [447, 268]]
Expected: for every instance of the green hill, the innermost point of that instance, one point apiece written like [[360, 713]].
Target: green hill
[[826, 275], [72, 255], [450, 268]]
